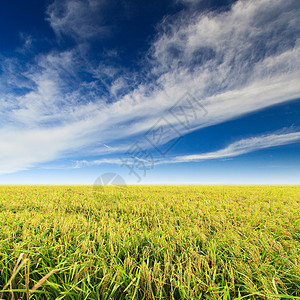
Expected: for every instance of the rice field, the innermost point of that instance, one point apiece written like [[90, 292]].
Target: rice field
[[150, 242]]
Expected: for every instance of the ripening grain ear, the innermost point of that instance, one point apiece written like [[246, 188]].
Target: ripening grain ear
[[38, 284], [15, 271]]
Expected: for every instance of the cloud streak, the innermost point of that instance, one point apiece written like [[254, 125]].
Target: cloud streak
[[245, 146], [237, 148]]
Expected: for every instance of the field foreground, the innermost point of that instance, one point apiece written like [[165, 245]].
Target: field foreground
[[150, 242]]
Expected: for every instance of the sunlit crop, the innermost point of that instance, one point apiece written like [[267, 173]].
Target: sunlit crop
[[150, 242]]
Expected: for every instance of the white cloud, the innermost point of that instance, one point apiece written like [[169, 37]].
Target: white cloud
[[77, 18], [236, 62], [235, 149], [245, 146]]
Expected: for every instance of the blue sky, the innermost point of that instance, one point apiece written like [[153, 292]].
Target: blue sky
[[175, 92]]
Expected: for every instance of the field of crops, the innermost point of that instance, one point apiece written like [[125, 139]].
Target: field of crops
[[150, 242]]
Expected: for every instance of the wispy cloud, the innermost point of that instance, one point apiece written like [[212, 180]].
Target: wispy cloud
[[245, 146], [236, 62], [237, 148], [79, 19]]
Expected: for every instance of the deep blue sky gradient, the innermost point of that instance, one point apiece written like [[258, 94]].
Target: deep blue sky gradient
[[117, 58]]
